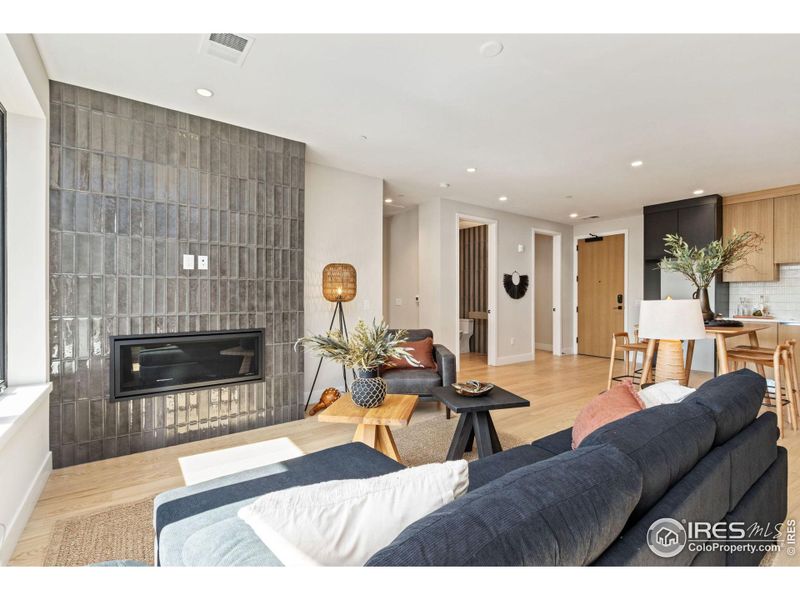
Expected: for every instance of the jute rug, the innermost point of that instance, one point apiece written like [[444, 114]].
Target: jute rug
[[126, 531], [427, 440], [121, 532]]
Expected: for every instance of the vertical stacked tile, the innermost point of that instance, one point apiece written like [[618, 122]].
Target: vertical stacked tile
[[132, 188]]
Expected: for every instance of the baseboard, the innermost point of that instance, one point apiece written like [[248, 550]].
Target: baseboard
[[17, 525], [516, 358], [543, 346]]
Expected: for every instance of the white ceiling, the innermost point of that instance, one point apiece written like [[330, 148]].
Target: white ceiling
[[552, 116]]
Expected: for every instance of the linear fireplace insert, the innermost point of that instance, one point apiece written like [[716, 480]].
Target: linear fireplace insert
[[147, 365]]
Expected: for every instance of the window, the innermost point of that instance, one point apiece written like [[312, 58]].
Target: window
[[3, 346]]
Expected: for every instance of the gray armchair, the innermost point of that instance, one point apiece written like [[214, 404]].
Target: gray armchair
[[421, 381]]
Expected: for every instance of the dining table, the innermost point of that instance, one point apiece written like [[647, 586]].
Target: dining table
[[720, 335]]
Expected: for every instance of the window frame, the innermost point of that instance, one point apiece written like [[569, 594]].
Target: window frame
[[3, 268]]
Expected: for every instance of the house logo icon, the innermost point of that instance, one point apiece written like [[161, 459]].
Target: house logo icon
[[666, 537]]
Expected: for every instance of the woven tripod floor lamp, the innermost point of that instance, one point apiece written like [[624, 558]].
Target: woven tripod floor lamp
[[339, 285]]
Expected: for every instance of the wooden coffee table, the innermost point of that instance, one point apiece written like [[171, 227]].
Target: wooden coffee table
[[373, 423], [475, 423]]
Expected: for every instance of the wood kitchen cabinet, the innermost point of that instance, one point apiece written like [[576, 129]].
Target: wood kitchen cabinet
[[757, 216], [787, 229]]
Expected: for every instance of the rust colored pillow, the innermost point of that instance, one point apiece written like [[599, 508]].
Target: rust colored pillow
[[421, 350], [618, 402]]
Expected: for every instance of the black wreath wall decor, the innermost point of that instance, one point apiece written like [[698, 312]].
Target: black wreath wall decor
[[515, 290]]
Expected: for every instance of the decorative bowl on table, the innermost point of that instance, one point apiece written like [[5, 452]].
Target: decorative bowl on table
[[472, 388]]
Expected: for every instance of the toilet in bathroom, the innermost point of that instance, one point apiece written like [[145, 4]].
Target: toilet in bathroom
[[465, 328]]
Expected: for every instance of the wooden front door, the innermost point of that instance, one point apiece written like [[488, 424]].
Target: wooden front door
[[601, 284]]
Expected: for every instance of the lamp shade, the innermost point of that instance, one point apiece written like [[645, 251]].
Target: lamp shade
[[671, 320], [339, 282]]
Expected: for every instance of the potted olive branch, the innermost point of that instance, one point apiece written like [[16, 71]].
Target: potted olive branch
[[365, 350], [701, 265]]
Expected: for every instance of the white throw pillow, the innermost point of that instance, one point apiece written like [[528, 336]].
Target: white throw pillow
[[666, 392], [345, 522]]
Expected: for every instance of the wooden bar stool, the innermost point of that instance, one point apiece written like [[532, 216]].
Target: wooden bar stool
[[622, 342], [782, 360]]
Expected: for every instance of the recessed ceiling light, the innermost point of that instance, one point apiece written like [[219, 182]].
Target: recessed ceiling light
[[573, 215], [698, 192], [444, 184], [204, 92], [503, 198], [637, 163], [490, 49], [471, 169], [388, 200]]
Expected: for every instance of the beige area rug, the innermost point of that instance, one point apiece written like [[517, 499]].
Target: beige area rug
[[126, 531], [121, 532], [427, 440]]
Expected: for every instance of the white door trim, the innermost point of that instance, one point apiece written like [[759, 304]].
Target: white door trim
[[556, 237], [491, 282], [575, 281]]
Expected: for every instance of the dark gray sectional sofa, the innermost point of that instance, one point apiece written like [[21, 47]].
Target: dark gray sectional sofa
[[707, 458]]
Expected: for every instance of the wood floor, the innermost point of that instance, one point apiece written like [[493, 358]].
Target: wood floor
[[556, 386]]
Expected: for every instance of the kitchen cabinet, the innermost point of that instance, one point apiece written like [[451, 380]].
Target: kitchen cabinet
[[657, 226], [697, 220], [787, 229], [757, 216]]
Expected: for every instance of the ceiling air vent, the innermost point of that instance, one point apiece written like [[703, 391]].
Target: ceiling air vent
[[230, 47], [591, 218]]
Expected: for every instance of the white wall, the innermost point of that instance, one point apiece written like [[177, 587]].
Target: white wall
[[543, 291], [25, 460], [343, 223], [438, 275], [634, 226], [403, 269]]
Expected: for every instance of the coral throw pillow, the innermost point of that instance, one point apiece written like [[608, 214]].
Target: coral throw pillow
[[618, 402], [421, 350]]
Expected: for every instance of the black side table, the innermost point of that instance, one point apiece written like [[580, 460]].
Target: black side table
[[475, 422]]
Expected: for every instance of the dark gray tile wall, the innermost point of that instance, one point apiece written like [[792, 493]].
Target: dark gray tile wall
[[133, 187]]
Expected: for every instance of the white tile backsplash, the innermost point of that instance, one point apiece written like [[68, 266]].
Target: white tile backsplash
[[781, 297]]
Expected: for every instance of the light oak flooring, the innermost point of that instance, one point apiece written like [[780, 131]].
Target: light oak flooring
[[556, 386]]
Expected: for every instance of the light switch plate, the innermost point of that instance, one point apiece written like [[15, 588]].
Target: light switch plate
[[188, 261], [398, 302], [202, 263]]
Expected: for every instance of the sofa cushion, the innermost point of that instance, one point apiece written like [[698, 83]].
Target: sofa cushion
[[488, 469], [702, 495], [752, 452], [762, 509], [183, 512], [562, 511], [556, 443], [733, 399], [411, 381], [665, 441]]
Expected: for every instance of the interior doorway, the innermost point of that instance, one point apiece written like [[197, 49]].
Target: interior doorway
[[546, 292], [601, 293], [477, 256]]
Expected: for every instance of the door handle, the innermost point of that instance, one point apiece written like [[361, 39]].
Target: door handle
[[619, 298]]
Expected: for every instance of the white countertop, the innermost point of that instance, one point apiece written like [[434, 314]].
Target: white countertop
[[779, 320]]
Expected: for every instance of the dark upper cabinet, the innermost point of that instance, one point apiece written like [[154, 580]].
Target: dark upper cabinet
[[656, 226], [697, 220], [697, 224]]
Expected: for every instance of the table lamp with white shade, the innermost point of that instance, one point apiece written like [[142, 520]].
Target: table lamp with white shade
[[670, 322]]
